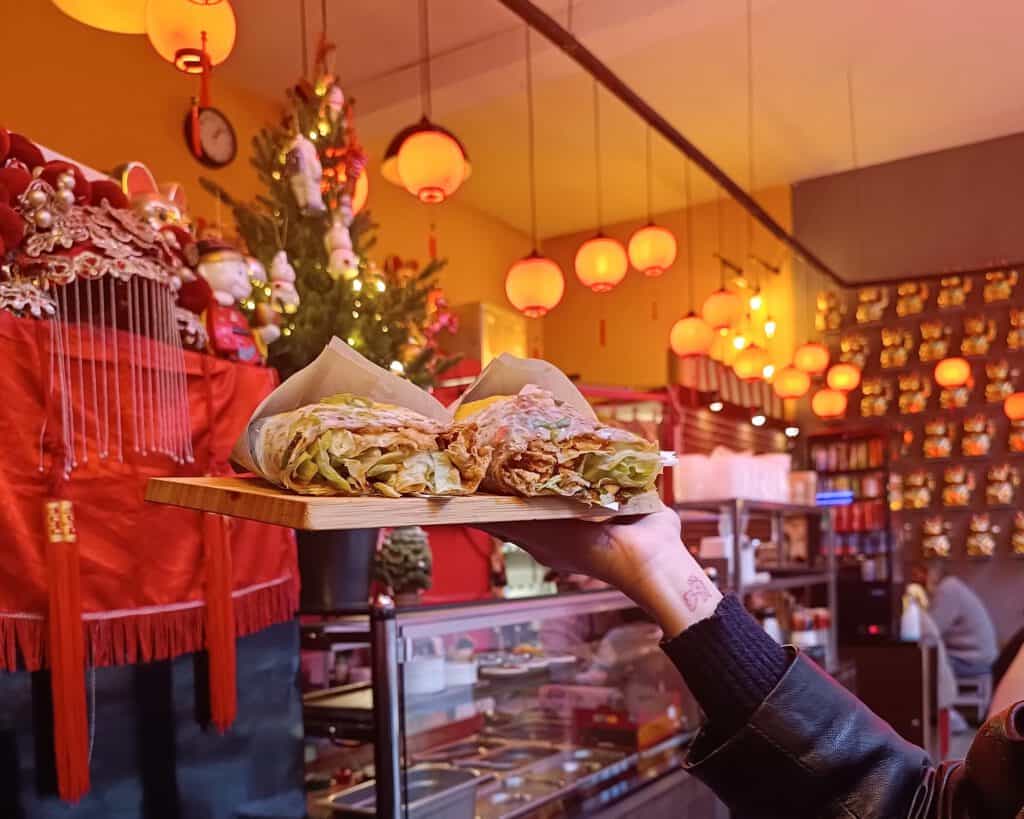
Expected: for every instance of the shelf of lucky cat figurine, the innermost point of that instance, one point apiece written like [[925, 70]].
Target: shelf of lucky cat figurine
[[255, 499]]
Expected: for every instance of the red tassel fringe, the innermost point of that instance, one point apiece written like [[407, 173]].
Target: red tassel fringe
[[142, 638]]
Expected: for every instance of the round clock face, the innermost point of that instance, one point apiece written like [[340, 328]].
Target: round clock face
[[216, 137]]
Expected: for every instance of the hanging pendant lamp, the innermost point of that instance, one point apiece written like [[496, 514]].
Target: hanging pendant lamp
[[1013, 406], [722, 309], [750, 363], [690, 336], [811, 357], [952, 372], [829, 404], [791, 382], [427, 160], [534, 285], [652, 249], [118, 16], [843, 376], [194, 35], [601, 262]]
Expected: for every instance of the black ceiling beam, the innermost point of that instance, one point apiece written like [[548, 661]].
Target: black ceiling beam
[[550, 28]]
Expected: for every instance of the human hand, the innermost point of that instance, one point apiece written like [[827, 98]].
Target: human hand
[[643, 556]]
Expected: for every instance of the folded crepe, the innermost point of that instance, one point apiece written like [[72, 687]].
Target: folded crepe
[[349, 445], [543, 446]]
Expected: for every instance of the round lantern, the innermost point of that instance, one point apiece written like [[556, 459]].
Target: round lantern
[[652, 249], [721, 309], [534, 285], [843, 377], [690, 336], [427, 160], [1013, 406], [119, 16], [952, 372], [750, 363], [829, 403], [811, 357], [182, 30], [791, 382], [601, 263]]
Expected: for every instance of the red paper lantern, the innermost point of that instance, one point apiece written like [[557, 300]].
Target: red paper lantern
[[749, 364], [431, 163], [534, 285], [843, 377], [182, 30], [690, 336], [1014, 406], [811, 357], [791, 382], [952, 372], [829, 403], [652, 249], [119, 16], [722, 309], [601, 263]]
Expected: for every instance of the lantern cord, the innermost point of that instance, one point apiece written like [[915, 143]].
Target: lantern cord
[[425, 65], [689, 228], [597, 156], [323, 17], [531, 140], [647, 179], [750, 119], [568, 17], [854, 159], [302, 34], [721, 260]]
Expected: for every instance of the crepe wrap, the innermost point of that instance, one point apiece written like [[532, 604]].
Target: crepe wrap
[[543, 446], [350, 445]]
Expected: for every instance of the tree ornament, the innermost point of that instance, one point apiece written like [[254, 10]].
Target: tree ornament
[[304, 172], [405, 563]]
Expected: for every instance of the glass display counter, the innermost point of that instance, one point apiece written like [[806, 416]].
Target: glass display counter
[[562, 705]]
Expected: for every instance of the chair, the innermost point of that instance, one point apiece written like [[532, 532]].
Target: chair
[[974, 692]]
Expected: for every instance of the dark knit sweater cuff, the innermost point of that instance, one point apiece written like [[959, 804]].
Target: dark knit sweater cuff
[[729, 664]]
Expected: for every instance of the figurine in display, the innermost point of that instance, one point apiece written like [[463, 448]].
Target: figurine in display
[[953, 292], [895, 492], [979, 333], [896, 347], [1001, 482], [1017, 538], [956, 397], [976, 440], [304, 173], [871, 304], [224, 282], [854, 348], [999, 285], [917, 489], [999, 386], [1015, 336], [284, 298], [959, 486], [914, 393], [876, 394], [938, 439], [911, 298], [829, 313], [981, 536], [935, 541], [934, 341], [1015, 439]]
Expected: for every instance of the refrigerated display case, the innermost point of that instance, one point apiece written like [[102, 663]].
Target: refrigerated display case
[[562, 705]]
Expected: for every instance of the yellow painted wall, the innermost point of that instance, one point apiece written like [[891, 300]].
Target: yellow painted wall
[[640, 312]]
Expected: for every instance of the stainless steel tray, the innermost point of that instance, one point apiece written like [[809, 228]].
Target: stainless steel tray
[[430, 792]]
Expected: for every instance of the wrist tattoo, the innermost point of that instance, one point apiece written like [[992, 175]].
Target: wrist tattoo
[[696, 593]]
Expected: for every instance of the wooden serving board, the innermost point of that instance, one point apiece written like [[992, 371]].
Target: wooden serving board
[[255, 499]]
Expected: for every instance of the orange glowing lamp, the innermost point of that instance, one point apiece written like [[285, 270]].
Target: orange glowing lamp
[[722, 309], [791, 382], [811, 357], [652, 249], [1013, 406], [952, 372], [691, 336], [750, 363], [601, 263], [118, 16], [534, 285], [194, 35], [427, 160], [843, 377], [829, 404]]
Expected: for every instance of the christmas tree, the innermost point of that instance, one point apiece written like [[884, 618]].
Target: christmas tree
[[313, 167]]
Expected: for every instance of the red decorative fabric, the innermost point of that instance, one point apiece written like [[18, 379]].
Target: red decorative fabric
[[143, 571]]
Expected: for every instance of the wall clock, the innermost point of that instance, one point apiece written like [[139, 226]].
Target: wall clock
[[216, 141]]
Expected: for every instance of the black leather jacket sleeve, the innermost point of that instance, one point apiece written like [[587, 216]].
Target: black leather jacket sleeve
[[811, 749]]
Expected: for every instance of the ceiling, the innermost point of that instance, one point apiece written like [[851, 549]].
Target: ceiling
[[926, 75]]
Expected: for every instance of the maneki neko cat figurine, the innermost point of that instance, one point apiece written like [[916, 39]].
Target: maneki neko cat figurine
[[1001, 481], [854, 348], [959, 486], [934, 341], [1015, 439], [871, 304], [938, 438], [979, 333], [956, 397], [999, 386], [876, 395], [999, 285], [829, 313], [911, 298], [981, 536], [953, 292], [1017, 538], [914, 393], [1015, 336], [917, 489], [976, 440], [935, 541], [896, 346]]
